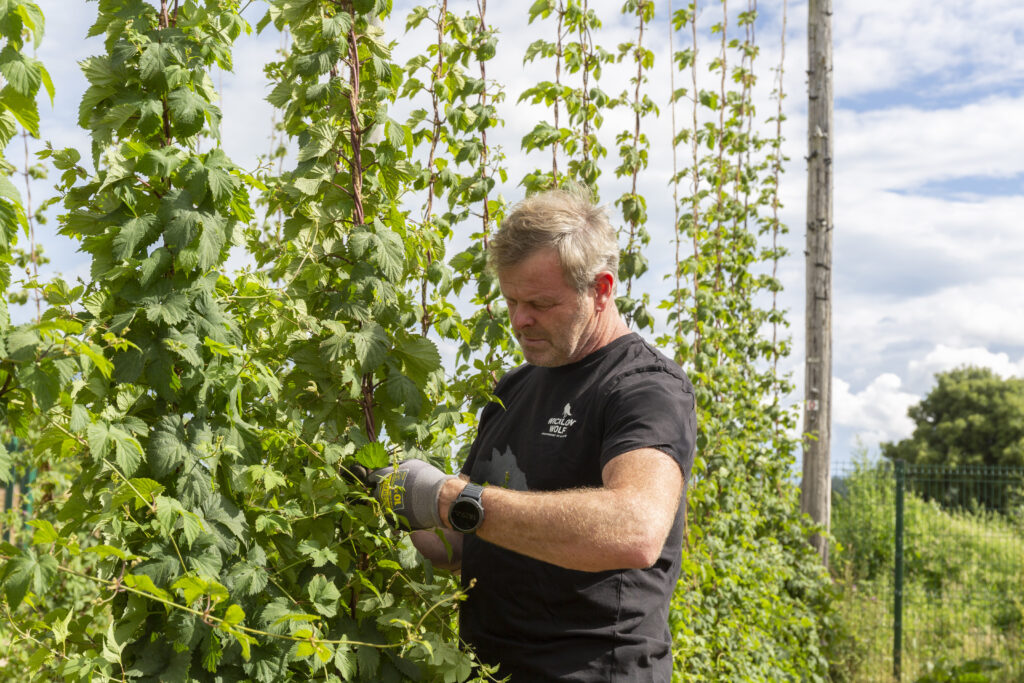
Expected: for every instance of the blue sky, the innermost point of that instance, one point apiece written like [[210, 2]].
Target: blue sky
[[929, 176]]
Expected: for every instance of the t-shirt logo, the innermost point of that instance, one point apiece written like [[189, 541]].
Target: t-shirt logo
[[559, 426]]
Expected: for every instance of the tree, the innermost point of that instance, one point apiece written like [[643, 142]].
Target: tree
[[971, 417]]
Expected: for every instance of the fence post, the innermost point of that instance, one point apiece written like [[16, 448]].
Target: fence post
[[899, 469]]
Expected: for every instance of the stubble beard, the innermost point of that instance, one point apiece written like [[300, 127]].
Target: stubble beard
[[558, 352]]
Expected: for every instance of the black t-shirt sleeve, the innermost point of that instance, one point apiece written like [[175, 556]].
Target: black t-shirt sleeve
[[651, 408]]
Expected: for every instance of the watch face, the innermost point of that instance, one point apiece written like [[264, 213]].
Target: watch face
[[465, 515]]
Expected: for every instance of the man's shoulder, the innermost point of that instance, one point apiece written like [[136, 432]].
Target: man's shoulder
[[637, 357]]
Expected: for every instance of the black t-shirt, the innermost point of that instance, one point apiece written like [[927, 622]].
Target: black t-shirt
[[557, 430]]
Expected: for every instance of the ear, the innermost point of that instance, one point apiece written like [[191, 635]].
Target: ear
[[604, 290]]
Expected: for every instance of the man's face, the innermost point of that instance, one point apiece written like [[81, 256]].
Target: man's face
[[551, 320]]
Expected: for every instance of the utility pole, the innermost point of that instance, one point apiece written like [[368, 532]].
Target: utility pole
[[816, 487]]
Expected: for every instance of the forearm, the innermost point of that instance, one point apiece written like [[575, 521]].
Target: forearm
[[583, 529], [622, 524]]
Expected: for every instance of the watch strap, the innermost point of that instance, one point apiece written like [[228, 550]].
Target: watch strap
[[470, 495], [471, 490]]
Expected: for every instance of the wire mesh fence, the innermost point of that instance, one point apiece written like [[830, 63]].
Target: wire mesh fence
[[931, 560]]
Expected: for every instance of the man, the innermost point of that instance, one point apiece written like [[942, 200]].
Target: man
[[570, 551]]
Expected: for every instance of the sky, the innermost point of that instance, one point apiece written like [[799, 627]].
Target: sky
[[928, 258]]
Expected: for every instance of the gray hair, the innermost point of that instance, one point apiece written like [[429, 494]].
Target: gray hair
[[566, 220]]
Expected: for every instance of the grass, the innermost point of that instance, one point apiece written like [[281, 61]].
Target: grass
[[963, 586]]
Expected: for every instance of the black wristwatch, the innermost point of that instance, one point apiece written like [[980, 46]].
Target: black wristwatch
[[467, 512]]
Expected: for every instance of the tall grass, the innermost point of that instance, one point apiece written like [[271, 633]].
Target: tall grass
[[963, 584]]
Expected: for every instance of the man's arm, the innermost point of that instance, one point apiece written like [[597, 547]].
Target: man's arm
[[621, 525]]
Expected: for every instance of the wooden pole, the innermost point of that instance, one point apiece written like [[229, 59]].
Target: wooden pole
[[815, 490]]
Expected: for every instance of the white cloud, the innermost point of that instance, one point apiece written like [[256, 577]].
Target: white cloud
[[943, 358], [977, 314], [881, 44], [902, 148], [877, 413]]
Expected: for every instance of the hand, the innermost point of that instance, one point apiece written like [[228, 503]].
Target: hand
[[411, 491]]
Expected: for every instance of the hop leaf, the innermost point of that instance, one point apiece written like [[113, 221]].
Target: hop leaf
[[27, 572]]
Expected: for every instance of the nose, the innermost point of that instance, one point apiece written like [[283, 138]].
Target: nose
[[519, 317]]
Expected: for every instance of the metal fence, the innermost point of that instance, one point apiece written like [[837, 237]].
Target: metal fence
[[15, 496], [931, 559]]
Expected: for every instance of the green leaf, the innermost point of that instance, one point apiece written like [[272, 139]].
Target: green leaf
[[155, 265], [21, 71], [320, 141], [404, 392], [105, 551], [220, 182], [160, 162], [370, 346], [248, 578], [28, 572], [45, 533], [22, 107], [167, 512], [94, 354], [382, 248], [193, 587], [333, 348], [420, 357], [224, 512], [111, 648], [191, 526], [181, 219], [22, 344], [233, 616], [369, 660], [288, 617], [8, 190], [167, 449], [373, 456], [170, 309], [324, 595], [319, 554], [44, 385], [153, 61], [33, 19], [211, 242], [145, 584], [304, 648], [345, 662], [8, 128], [140, 492], [127, 451], [133, 233], [273, 523], [187, 110], [47, 82], [98, 436], [184, 345], [6, 465], [60, 627]]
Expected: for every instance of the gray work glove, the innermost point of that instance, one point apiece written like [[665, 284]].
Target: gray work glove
[[411, 490]]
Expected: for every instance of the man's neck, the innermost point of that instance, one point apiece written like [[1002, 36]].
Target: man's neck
[[608, 326]]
